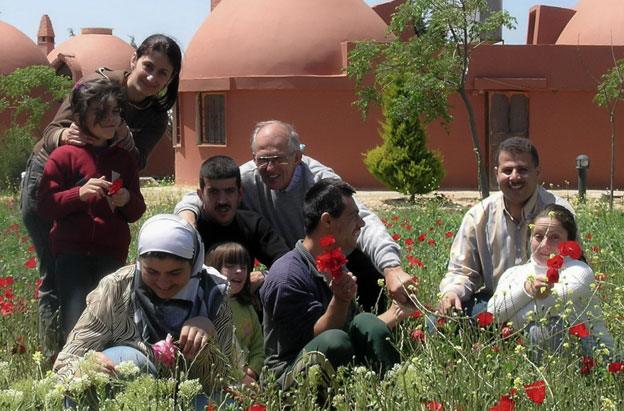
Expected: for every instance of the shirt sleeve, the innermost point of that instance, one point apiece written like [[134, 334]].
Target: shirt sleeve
[[267, 245], [464, 275], [510, 297], [58, 197], [256, 348], [190, 202]]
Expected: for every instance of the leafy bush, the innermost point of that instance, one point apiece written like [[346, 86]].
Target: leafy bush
[[25, 96], [403, 162]]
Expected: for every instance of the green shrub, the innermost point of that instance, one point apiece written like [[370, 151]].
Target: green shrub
[[403, 162], [25, 94]]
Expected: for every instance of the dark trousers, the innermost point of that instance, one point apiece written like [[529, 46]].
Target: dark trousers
[[75, 276], [369, 291], [39, 232]]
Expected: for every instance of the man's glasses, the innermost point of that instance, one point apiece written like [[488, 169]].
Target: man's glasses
[[264, 161]]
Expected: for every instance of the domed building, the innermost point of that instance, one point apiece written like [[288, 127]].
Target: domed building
[[276, 59], [17, 50], [595, 23], [92, 48]]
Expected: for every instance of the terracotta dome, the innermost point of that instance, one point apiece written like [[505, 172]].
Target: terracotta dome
[[92, 48], [596, 22], [278, 38], [17, 50]]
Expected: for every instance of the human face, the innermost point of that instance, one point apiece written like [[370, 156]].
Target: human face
[[165, 276], [237, 275], [104, 128], [545, 238], [517, 177], [220, 199], [347, 227], [274, 158], [150, 74]]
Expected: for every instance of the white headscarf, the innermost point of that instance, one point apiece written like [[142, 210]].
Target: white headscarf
[[171, 234]]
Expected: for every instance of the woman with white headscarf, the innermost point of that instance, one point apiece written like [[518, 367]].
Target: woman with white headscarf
[[168, 291]]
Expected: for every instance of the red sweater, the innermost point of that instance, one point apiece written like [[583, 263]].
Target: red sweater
[[88, 227]]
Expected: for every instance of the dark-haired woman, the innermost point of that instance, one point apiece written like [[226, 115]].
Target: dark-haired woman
[[151, 87]]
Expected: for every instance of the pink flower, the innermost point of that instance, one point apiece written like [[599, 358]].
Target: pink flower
[[165, 351]]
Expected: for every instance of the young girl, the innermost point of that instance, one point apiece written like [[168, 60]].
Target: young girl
[[90, 193], [524, 295], [232, 260]]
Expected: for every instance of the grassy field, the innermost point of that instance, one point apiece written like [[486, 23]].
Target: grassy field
[[463, 368]]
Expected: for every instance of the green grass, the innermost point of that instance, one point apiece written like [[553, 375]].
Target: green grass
[[463, 368]]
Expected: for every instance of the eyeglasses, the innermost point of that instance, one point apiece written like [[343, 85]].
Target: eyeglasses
[[264, 161]]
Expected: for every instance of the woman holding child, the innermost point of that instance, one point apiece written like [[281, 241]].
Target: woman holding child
[[150, 88]]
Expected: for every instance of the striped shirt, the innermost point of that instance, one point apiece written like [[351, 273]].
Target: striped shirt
[[489, 241], [109, 320]]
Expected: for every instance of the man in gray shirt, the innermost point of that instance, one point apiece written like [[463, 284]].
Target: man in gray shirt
[[274, 185]]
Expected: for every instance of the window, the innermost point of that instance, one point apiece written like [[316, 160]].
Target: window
[[212, 109]]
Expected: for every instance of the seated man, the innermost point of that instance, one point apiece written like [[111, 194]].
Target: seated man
[[220, 220], [494, 233], [306, 311], [274, 184]]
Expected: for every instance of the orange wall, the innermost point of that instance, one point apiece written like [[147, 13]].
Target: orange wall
[[328, 124]]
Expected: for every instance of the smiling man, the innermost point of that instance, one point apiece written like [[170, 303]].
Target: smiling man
[[494, 234], [220, 220], [274, 185]]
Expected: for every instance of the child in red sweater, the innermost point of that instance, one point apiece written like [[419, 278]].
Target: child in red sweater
[[91, 193]]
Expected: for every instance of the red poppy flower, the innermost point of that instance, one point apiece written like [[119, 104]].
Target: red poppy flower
[[395, 218], [331, 262], [6, 308], [615, 367], [31, 263], [396, 237], [409, 241], [441, 321], [505, 403], [422, 237], [587, 364], [408, 227], [416, 314], [588, 236], [6, 281], [431, 242], [536, 391], [595, 249], [506, 332], [211, 407], [115, 187], [415, 261], [579, 330], [448, 234], [327, 241], [256, 407], [13, 228], [570, 249], [418, 336], [31, 249], [495, 348], [434, 406], [552, 275], [8, 294], [555, 262], [601, 277], [484, 319], [439, 222]]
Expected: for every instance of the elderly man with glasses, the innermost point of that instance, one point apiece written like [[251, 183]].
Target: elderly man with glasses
[[274, 185]]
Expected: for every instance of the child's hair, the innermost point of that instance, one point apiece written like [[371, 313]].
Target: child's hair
[[234, 254], [167, 46], [563, 215], [100, 92]]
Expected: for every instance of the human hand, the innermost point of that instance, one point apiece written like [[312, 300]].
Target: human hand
[[194, 335], [121, 198], [400, 284], [250, 376], [344, 287], [75, 136], [189, 216], [95, 187], [256, 279], [537, 286], [123, 137], [105, 363], [449, 300]]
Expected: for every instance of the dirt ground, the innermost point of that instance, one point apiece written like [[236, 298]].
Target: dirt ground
[[377, 200]]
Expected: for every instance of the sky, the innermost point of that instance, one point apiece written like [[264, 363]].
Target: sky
[[177, 18]]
